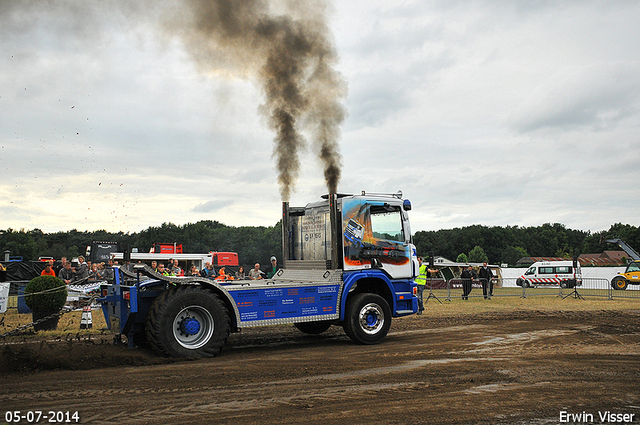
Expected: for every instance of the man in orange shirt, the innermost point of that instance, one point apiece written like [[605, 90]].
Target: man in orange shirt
[[48, 270]]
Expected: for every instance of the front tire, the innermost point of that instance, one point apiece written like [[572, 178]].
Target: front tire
[[367, 318], [619, 283], [188, 321]]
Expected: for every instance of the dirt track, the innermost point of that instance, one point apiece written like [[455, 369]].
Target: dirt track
[[497, 368]]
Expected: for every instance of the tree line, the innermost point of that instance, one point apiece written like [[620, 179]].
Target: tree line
[[506, 245], [253, 244], [477, 243]]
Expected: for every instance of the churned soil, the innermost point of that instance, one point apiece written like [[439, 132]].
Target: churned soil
[[522, 367]]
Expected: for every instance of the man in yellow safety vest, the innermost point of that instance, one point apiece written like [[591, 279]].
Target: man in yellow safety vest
[[421, 280]]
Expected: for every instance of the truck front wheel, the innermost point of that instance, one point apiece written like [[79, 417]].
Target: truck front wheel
[[619, 283], [188, 321], [367, 318]]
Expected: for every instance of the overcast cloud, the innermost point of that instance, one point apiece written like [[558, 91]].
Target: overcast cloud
[[481, 112]]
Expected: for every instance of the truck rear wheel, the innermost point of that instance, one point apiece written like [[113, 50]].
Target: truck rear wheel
[[314, 328], [188, 321], [367, 318], [619, 283]]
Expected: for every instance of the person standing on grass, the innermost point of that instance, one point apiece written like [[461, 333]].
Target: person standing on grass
[[467, 276], [421, 280], [486, 278]]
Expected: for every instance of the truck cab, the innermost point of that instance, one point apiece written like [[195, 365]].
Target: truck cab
[[371, 231], [367, 237]]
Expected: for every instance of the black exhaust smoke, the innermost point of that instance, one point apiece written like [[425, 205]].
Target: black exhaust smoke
[[292, 56]]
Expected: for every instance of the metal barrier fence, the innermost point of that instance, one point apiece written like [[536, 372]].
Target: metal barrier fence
[[450, 289], [589, 287]]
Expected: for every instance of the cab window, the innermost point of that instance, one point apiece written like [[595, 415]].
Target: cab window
[[634, 267], [386, 223], [532, 270]]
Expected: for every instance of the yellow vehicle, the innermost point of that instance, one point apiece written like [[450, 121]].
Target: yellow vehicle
[[631, 275]]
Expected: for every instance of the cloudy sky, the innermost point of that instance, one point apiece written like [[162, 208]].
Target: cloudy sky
[[481, 112]]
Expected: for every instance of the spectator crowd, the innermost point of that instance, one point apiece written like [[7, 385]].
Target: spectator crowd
[[86, 272]]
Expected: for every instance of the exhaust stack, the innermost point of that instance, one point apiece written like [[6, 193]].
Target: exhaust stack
[[286, 235], [336, 225]]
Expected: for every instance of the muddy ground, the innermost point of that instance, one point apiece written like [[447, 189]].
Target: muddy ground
[[488, 368]]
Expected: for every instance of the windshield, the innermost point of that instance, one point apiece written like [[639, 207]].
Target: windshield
[[387, 224]]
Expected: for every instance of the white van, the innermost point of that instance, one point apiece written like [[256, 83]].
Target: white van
[[545, 273]]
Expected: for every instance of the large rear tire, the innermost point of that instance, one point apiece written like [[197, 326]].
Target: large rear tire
[[314, 328], [367, 318], [619, 283], [188, 321]]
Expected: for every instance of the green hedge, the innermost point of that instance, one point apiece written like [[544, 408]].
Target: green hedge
[[52, 300]]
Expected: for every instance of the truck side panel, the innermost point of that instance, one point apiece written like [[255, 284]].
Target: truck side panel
[[273, 304]]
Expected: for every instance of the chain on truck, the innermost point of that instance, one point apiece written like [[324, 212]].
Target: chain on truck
[[348, 260]]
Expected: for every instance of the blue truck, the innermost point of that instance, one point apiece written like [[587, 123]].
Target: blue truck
[[330, 275]]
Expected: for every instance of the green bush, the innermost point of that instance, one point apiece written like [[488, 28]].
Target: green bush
[[52, 300]]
